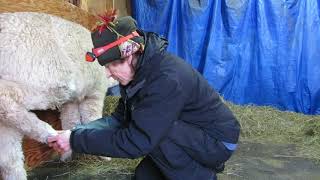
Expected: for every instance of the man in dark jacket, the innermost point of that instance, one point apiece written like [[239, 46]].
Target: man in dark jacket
[[167, 113]]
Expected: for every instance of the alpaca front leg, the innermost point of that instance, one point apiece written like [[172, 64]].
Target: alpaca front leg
[[11, 155], [91, 108], [16, 116], [70, 115]]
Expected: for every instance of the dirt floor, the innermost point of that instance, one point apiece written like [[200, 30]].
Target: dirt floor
[[270, 161], [252, 161]]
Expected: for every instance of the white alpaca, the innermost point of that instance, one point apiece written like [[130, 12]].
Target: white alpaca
[[42, 67]]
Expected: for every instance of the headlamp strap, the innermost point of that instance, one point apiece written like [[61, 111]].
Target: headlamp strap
[[98, 51]]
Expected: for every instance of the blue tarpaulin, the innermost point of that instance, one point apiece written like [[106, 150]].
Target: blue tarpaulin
[[262, 52]]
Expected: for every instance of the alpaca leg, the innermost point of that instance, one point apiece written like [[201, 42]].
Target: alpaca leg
[[70, 115], [11, 155], [15, 115], [91, 108]]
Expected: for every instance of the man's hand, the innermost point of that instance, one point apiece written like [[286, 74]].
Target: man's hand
[[60, 142]]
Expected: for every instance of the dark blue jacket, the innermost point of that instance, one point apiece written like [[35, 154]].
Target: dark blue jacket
[[165, 89]]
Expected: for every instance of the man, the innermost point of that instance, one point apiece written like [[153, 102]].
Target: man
[[167, 111]]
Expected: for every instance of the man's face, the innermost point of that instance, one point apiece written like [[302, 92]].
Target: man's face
[[121, 70]]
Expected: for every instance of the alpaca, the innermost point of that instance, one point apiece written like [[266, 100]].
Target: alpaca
[[42, 67]]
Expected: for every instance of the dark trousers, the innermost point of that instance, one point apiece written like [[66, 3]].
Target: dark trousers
[[187, 153], [148, 170]]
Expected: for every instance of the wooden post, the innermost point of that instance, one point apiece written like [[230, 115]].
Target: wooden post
[[96, 6], [100, 6], [84, 5], [123, 6]]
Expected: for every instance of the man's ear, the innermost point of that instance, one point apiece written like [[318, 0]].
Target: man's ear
[[129, 59]]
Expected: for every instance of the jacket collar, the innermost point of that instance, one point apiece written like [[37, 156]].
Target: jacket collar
[[154, 44], [132, 90]]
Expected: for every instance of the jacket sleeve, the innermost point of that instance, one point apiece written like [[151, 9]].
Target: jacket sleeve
[[151, 121]]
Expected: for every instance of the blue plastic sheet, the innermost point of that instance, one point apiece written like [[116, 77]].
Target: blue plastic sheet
[[262, 52]]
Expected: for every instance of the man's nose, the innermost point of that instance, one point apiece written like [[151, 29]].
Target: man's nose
[[108, 73]]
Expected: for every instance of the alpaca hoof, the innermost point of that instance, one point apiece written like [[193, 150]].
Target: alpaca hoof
[[105, 158], [67, 156]]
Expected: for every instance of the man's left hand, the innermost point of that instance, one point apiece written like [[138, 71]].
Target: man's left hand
[[60, 142]]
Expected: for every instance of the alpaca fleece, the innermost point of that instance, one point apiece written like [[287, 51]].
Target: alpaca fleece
[[42, 67]]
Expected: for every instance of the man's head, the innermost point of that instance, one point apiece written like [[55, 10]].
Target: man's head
[[116, 43], [114, 39], [122, 70]]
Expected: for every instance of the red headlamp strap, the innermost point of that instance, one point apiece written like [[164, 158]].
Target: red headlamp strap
[[98, 51], [90, 57]]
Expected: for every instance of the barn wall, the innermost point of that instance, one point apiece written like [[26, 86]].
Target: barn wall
[[124, 7], [65, 9], [54, 7], [96, 6], [99, 6]]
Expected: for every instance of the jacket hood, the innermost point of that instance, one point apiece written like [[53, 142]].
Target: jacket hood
[[154, 44]]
